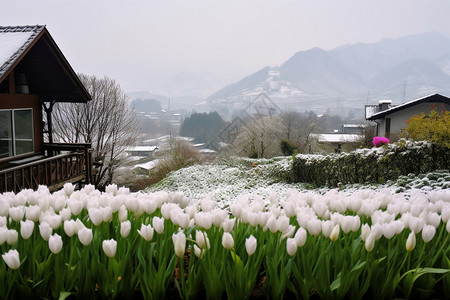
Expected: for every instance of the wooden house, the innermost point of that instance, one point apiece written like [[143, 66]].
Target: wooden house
[[34, 75]]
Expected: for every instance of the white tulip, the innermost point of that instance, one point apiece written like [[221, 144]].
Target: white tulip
[[250, 245], [111, 189], [17, 213], [2, 221], [389, 230], [370, 242], [95, 215], [146, 232], [109, 247], [158, 224], [123, 213], [26, 229], [288, 233], [327, 228], [12, 236], [65, 214], [179, 242], [272, 224], [202, 239], [85, 236], [45, 230], [314, 227], [106, 214], [282, 223], [70, 227], [300, 237], [4, 207], [55, 243], [125, 228], [291, 246], [227, 241], [411, 241], [365, 231], [68, 188], [3, 233], [199, 252], [12, 259], [228, 224], [335, 233], [76, 206], [428, 233]]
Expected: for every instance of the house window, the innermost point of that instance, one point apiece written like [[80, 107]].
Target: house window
[[16, 132], [387, 131]]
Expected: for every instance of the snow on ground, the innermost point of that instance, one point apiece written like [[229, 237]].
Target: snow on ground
[[227, 180]]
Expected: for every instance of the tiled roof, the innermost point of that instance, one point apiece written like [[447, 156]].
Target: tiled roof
[[14, 40]]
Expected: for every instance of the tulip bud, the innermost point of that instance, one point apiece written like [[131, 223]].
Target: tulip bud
[[411, 241], [365, 231], [158, 224], [3, 221], [370, 242], [109, 247], [26, 229], [12, 259], [3, 233], [125, 228], [12, 236], [146, 232], [199, 252], [55, 243], [250, 245], [65, 214], [227, 241], [428, 233], [314, 226], [85, 236], [111, 189], [335, 233], [291, 246], [54, 221]]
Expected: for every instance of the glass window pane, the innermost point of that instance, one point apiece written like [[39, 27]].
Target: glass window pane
[[23, 124], [5, 134], [24, 147]]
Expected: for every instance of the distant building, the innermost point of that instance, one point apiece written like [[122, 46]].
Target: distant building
[[392, 119], [141, 150], [336, 140]]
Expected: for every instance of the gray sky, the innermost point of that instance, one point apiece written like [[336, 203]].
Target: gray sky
[[140, 43]]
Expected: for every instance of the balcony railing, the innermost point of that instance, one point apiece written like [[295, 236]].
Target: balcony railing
[[63, 163]]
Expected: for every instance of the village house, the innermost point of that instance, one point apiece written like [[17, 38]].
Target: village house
[[34, 75], [391, 119]]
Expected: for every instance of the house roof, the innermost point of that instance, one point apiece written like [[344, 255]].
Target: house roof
[[336, 137], [430, 98], [32, 51]]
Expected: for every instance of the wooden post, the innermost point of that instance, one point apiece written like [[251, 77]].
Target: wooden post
[[49, 110]]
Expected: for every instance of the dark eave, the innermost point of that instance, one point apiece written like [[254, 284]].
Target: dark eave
[[48, 72]]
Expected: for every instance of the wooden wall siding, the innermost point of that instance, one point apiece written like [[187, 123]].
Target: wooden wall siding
[[53, 172]]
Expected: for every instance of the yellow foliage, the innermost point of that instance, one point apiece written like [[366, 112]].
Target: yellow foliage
[[433, 127]]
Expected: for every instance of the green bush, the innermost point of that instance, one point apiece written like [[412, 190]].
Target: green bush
[[376, 165]]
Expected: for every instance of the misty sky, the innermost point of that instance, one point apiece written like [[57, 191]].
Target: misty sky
[[141, 43]]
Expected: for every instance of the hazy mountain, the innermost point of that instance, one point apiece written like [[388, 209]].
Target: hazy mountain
[[350, 76]]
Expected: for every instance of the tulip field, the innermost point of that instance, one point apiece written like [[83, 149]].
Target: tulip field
[[364, 244]]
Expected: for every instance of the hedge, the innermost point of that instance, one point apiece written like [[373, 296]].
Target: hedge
[[375, 165]]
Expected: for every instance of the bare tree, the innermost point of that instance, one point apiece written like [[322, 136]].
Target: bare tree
[[260, 138], [107, 122], [298, 128]]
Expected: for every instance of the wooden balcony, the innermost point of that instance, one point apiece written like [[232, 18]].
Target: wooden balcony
[[59, 164]]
